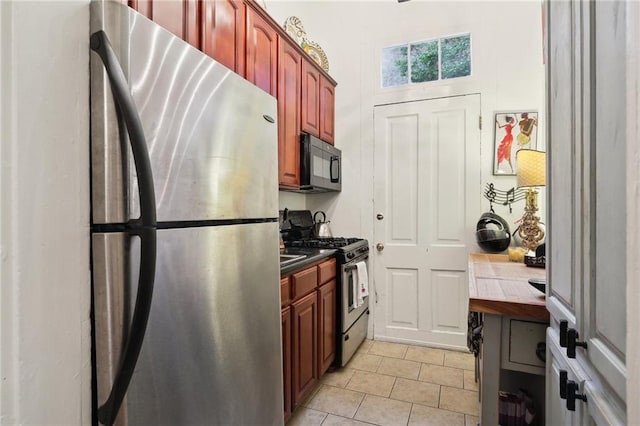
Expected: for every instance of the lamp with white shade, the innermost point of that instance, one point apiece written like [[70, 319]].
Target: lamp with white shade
[[531, 173]]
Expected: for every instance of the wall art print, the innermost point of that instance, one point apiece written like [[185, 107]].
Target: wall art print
[[513, 131]]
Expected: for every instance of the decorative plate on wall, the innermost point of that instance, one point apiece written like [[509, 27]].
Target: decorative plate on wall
[[293, 27], [317, 54]]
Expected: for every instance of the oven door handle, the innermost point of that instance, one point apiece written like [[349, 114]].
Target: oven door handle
[[353, 265]]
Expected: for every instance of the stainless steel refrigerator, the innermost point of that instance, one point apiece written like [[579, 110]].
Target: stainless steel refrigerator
[[185, 272]]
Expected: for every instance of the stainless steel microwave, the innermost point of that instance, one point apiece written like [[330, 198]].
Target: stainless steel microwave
[[320, 165]]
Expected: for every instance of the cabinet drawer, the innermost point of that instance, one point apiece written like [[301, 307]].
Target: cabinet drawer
[[304, 281], [326, 271], [285, 291], [520, 341]]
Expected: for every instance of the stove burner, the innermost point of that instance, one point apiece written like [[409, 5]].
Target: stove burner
[[329, 242]]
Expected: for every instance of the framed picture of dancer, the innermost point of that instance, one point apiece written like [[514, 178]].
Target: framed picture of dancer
[[513, 131]]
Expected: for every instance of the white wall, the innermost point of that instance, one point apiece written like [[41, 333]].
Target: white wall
[[44, 213], [507, 67]]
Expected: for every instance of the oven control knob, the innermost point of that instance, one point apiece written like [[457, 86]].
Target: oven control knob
[[379, 246], [351, 255]]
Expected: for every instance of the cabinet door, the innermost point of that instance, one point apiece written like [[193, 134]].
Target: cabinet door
[[310, 108], [564, 146], [587, 184], [224, 33], [326, 326], [286, 360], [288, 115], [305, 346], [327, 110], [181, 17], [605, 277], [556, 412], [262, 52]]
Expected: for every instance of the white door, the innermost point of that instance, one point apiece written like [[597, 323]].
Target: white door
[[426, 202]]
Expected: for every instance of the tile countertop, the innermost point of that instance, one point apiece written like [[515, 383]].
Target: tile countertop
[[497, 286], [313, 256]]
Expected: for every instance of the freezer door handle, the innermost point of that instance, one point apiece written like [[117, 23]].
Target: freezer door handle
[[145, 226], [129, 113]]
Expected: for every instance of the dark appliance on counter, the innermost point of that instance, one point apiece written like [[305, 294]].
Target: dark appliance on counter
[[320, 166], [184, 233], [352, 322]]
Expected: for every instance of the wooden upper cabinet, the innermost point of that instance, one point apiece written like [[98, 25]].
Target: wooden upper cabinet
[[181, 17], [327, 110], [262, 53], [310, 105], [223, 32], [317, 103], [288, 114]]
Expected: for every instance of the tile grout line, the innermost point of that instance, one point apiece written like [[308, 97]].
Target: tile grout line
[[395, 382]]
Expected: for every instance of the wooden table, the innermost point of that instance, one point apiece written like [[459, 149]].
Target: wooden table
[[514, 323], [497, 286]]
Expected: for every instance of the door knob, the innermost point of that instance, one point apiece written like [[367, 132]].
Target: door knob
[[379, 246], [379, 216]]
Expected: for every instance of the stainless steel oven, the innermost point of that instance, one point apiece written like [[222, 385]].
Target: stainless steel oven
[[353, 320]]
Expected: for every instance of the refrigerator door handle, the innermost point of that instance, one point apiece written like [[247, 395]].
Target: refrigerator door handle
[[146, 227]]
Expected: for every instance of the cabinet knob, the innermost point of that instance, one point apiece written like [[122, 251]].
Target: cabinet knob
[[541, 351], [572, 395], [379, 246], [572, 342], [563, 384], [379, 216]]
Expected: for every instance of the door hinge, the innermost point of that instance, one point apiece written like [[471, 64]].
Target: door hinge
[[480, 122]]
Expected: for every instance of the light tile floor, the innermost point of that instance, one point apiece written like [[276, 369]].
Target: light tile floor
[[394, 384]]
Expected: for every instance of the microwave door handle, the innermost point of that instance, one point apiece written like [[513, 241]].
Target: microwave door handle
[[146, 227], [334, 179]]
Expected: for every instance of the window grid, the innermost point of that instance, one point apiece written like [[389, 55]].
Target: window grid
[[389, 80]]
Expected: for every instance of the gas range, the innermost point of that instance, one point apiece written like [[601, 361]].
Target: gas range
[[339, 243], [297, 229], [347, 248]]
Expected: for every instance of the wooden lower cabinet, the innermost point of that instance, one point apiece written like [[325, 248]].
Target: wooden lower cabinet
[[305, 346], [309, 319], [326, 326], [286, 361]]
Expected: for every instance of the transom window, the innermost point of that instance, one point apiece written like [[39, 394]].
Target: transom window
[[426, 60]]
